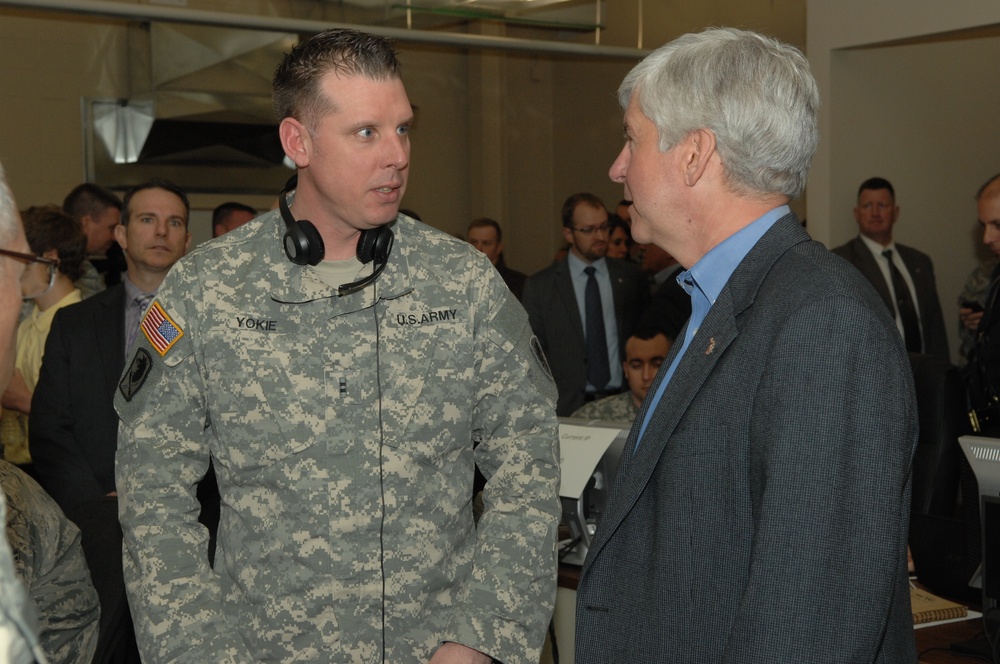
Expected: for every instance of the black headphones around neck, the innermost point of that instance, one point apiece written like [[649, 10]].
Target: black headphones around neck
[[304, 245]]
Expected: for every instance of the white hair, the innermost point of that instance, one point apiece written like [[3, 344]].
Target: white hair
[[10, 219], [755, 93]]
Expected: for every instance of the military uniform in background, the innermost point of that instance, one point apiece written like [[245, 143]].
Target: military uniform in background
[[983, 369], [342, 431], [18, 623], [616, 408], [90, 282], [49, 560]]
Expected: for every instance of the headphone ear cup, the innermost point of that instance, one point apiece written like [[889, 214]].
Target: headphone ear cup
[[303, 243], [375, 244]]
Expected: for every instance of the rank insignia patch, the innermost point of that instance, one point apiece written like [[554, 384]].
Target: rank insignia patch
[[159, 329]]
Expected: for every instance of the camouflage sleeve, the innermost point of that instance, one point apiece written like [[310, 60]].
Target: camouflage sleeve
[[18, 623], [175, 599], [511, 591], [90, 282], [51, 564]]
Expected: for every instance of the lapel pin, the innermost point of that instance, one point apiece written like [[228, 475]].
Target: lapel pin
[[711, 346]]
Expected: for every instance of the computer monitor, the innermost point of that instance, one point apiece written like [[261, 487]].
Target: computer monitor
[[984, 458], [590, 451]]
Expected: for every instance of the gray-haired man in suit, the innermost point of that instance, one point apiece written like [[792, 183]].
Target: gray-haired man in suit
[[761, 510]]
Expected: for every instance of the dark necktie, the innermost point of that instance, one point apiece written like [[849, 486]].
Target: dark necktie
[[904, 305], [598, 370]]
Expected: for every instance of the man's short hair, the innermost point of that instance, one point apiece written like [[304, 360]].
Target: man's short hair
[[647, 332], [89, 198], [755, 93], [222, 212], [486, 222], [296, 85], [990, 188], [573, 201], [155, 183], [47, 227], [874, 184]]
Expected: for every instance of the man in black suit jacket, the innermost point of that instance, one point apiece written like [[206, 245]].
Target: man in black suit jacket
[[554, 300], [876, 214], [73, 426], [761, 508], [486, 235]]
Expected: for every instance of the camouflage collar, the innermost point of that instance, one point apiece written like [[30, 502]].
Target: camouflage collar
[[296, 284]]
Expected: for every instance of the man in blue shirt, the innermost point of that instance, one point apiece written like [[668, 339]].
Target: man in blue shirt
[[761, 511]]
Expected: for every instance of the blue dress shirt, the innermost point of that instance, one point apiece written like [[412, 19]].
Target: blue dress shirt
[[603, 276], [705, 281]]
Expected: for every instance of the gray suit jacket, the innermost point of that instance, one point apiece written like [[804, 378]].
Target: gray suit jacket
[[555, 319], [764, 517], [922, 272]]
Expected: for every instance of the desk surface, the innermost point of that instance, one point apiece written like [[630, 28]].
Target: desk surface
[[933, 643]]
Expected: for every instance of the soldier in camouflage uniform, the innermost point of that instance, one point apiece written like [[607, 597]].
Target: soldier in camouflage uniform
[[342, 426], [644, 353]]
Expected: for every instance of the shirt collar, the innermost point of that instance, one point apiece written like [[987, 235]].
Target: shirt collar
[[132, 291], [713, 271], [877, 248], [577, 266], [43, 319]]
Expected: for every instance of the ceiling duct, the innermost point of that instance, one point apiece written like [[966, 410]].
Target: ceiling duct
[[208, 92]]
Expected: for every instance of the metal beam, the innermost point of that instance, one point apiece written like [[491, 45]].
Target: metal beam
[[134, 12]]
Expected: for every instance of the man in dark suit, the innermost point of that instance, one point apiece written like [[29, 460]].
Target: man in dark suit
[[902, 276], [486, 235], [670, 305], [585, 350], [760, 513], [73, 427]]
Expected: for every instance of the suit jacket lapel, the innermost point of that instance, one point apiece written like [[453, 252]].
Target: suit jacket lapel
[[873, 273], [617, 287], [110, 318], [919, 277], [567, 298], [716, 334]]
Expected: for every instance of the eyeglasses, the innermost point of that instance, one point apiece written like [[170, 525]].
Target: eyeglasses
[[590, 230], [28, 259]]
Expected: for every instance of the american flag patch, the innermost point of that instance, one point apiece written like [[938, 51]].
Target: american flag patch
[[159, 329]]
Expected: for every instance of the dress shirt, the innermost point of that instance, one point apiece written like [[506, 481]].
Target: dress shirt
[[883, 266], [705, 281], [133, 310], [579, 277], [31, 335]]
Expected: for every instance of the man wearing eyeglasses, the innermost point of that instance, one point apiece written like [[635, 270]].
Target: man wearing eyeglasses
[[54, 236], [18, 624], [584, 308]]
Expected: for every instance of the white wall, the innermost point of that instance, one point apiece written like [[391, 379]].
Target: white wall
[[920, 112]]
